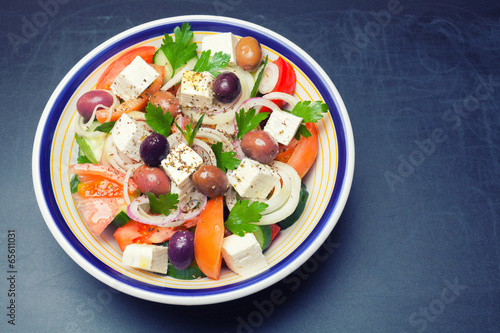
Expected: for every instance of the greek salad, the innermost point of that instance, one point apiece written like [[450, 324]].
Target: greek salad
[[195, 160]]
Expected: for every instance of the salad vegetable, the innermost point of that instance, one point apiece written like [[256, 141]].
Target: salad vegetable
[[206, 160]]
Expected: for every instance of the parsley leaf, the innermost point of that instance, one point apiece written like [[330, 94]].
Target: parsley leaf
[[309, 111], [163, 204], [213, 64], [302, 131], [255, 88], [86, 150], [158, 121], [183, 49], [248, 121], [242, 215], [225, 160], [106, 127], [190, 132]]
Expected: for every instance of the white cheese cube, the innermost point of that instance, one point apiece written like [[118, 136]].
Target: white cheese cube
[[282, 126], [252, 179], [196, 89], [127, 135], [134, 79], [223, 42], [243, 255], [152, 258], [180, 163]]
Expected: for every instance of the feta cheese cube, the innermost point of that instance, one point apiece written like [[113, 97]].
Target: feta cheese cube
[[134, 79], [243, 255], [252, 179], [223, 42], [282, 126], [196, 89], [152, 258], [127, 135], [180, 163]]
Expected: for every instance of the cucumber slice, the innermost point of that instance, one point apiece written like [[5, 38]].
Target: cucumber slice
[[290, 220], [169, 72], [263, 236], [160, 58], [191, 273], [121, 219]]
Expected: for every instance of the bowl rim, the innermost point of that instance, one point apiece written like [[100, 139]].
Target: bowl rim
[[221, 294]]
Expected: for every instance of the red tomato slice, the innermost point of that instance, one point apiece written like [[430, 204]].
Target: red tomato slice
[[100, 194], [275, 229], [91, 172], [140, 233], [110, 74]]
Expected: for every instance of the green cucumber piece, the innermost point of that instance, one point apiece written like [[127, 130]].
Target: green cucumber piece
[[121, 219], [290, 220], [263, 236], [160, 58], [191, 273]]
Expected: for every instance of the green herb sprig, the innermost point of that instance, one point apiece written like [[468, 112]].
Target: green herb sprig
[[212, 64], [181, 50], [248, 121], [243, 215], [158, 121], [191, 130], [225, 160]]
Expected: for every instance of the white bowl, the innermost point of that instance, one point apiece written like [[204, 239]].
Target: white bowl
[[328, 182]]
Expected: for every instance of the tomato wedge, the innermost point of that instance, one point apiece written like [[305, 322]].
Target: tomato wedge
[[112, 71], [305, 152], [208, 238]]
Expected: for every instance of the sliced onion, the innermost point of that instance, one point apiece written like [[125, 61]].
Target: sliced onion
[[125, 186], [290, 99], [205, 152], [293, 200], [280, 194], [175, 139], [258, 101], [86, 130], [269, 78], [137, 213], [215, 135], [197, 199], [108, 155]]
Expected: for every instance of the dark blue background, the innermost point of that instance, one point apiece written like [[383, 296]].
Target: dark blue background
[[417, 248]]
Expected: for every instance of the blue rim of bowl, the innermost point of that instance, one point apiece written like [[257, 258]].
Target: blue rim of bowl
[[55, 106]]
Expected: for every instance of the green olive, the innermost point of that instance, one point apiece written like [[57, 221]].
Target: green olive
[[248, 53]]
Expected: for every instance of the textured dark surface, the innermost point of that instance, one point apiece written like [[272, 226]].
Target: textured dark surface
[[417, 247]]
